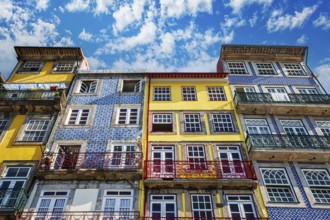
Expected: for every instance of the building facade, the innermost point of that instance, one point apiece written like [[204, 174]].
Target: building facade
[[286, 120], [196, 164], [92, 166], [30, 101]]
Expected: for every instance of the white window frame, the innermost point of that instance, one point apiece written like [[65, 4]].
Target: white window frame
[[90, 85], [278, 94], [62, 65], [324, 127], [260, 125], [79, 116], [310, 91], [200, 209], [161, 93], [216, 93], [323, 189], [118, 195], [128, 116], [240, 202], [196, 128], [260, 69], [293, 69], [196, 161], [189, 93], [165, 121], [43, 214], [239, 68], [218, 125], [4, 125], [163, 200], [296, 129], [137, 86], [120, 162], [279, 186], [24, 68], [249, 89], [27, 128]]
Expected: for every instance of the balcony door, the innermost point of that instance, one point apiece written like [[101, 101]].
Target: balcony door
[[197, 157], [279, 94], [122, 156], [118, 205], [67, 157], [163, 206], [51, 205], [163, 161], [259, 132], [241, 207], [297, 135], [231, 162]]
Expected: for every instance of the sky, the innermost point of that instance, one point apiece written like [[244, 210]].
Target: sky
[[164, 35]]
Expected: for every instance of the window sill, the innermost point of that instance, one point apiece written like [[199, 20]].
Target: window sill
[[27, 143], [75, 126]]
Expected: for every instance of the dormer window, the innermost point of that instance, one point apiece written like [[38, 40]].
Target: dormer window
[[31, 66], [294, 69], [64, 66], [237, 68]]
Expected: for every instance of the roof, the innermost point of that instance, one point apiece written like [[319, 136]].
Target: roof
[[49, 53], [263, 52], [187, 75]]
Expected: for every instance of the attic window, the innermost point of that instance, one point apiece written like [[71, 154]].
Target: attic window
[[31, 66], [64, 66]]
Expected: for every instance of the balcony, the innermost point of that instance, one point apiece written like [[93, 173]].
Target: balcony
[[76, 215], [292, 104], [201, 218], [122, 165], [288, 147], [198, 174], [12, 201], [36, 100]]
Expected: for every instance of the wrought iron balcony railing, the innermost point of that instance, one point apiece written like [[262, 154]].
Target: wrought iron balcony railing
[[12, 200], [169, 169], [202, 218], [26, 95], [79, 161], [245, 98], [79, 215], [279, 141]]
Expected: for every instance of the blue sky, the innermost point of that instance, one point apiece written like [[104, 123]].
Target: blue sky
[[164, 35]]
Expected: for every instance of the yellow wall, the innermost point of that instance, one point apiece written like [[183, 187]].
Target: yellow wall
[[45, 76], [8, 151]]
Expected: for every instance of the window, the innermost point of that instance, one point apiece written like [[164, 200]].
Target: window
[[128, 116], [64, 66], [231, 161], [237, 68], [241, 207], [4, 123], [162, 93], [249, 89], [67, 157], [192, 123], [324, 127], [117, 204], [307, 91], [87, 86], [277, 185], [216, 93], [122, 155], [163, 165], [294, 69], [278, 94], [189, 93], [319, 182], [163, 206], [131, 85], [293, 127], [257, 126], [196, 157], [78, 117], [35, 130], [201, 206], [162, 122], [31, 66], [265, 69], [51, 205], [222, 123]]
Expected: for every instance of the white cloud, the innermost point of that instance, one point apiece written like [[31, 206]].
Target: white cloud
[[77, 5], [95, 63], [302, 39], [179, 8], [323, 75], [323, 22], [253, 20], [238, 5], [86, 36], [102, 7], [278, 22], [6, 10], [64, 42], [202, 63], [128, 14], [168, 44], [232, 22], [42, 5]]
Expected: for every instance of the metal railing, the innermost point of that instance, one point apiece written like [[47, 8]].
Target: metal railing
[[12, 199], [78, 161], [202, 218], [79, 215], [243, 97], [26, 95], [170, 169], [279, 141]]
